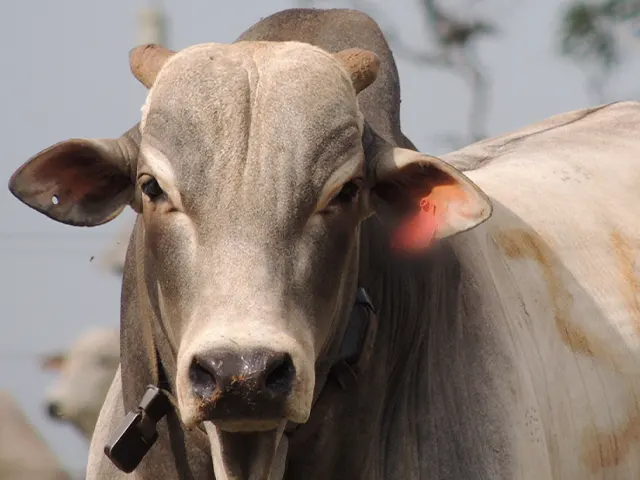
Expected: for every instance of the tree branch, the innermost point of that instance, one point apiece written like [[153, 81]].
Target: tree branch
[[412, 54], [454, 39]]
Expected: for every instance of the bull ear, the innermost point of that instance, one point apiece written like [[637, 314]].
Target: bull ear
[[79, 182], [425, 198], [53, 362]]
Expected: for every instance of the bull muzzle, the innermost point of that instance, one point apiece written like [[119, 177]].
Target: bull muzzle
[[236, 386]]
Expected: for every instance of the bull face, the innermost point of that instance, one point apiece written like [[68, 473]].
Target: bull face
[[251, 202], [251, 181]]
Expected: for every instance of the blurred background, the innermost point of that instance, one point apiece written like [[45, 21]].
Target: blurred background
[[469, 69]]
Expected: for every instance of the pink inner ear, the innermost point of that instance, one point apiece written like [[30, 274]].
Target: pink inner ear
[[418, 231], [70, 171]]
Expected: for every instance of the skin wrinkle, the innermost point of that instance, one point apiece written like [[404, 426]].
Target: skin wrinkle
[[630, 283], [524, 244], [251, 107], [338, 178], [521, 343], [600, 449], [155, 164]]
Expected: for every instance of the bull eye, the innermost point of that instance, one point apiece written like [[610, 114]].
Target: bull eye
[[151, 188], [349, 191]]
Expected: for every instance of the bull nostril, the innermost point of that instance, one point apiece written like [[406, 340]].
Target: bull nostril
[[203, 381], [280, 373]]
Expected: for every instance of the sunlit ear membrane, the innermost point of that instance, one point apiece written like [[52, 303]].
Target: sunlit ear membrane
[[425, 199]]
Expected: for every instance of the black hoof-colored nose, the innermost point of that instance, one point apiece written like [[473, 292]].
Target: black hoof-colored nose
[[241, 385], [53, 410]]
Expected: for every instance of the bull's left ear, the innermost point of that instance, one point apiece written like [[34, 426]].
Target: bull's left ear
[[424, 198]]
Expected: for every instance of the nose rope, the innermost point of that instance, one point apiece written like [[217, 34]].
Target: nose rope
[[135, 436]]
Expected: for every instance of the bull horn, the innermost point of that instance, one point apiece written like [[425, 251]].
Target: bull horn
[[147, 60], [362, 65]]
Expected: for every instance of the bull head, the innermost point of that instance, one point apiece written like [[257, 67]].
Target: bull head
[[252, 182]]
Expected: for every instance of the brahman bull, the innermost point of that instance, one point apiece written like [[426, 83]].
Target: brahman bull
[[272, 182]]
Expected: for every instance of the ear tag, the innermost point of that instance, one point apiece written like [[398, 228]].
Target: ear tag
[[417, 232]]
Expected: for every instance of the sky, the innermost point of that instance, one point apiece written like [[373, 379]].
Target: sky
[[65, 74]]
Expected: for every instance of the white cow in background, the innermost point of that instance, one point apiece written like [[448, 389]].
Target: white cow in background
[[86, 370], [24, 455], [85, 374]]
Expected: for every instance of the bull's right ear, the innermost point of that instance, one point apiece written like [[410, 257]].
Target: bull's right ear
[[79, 182]]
